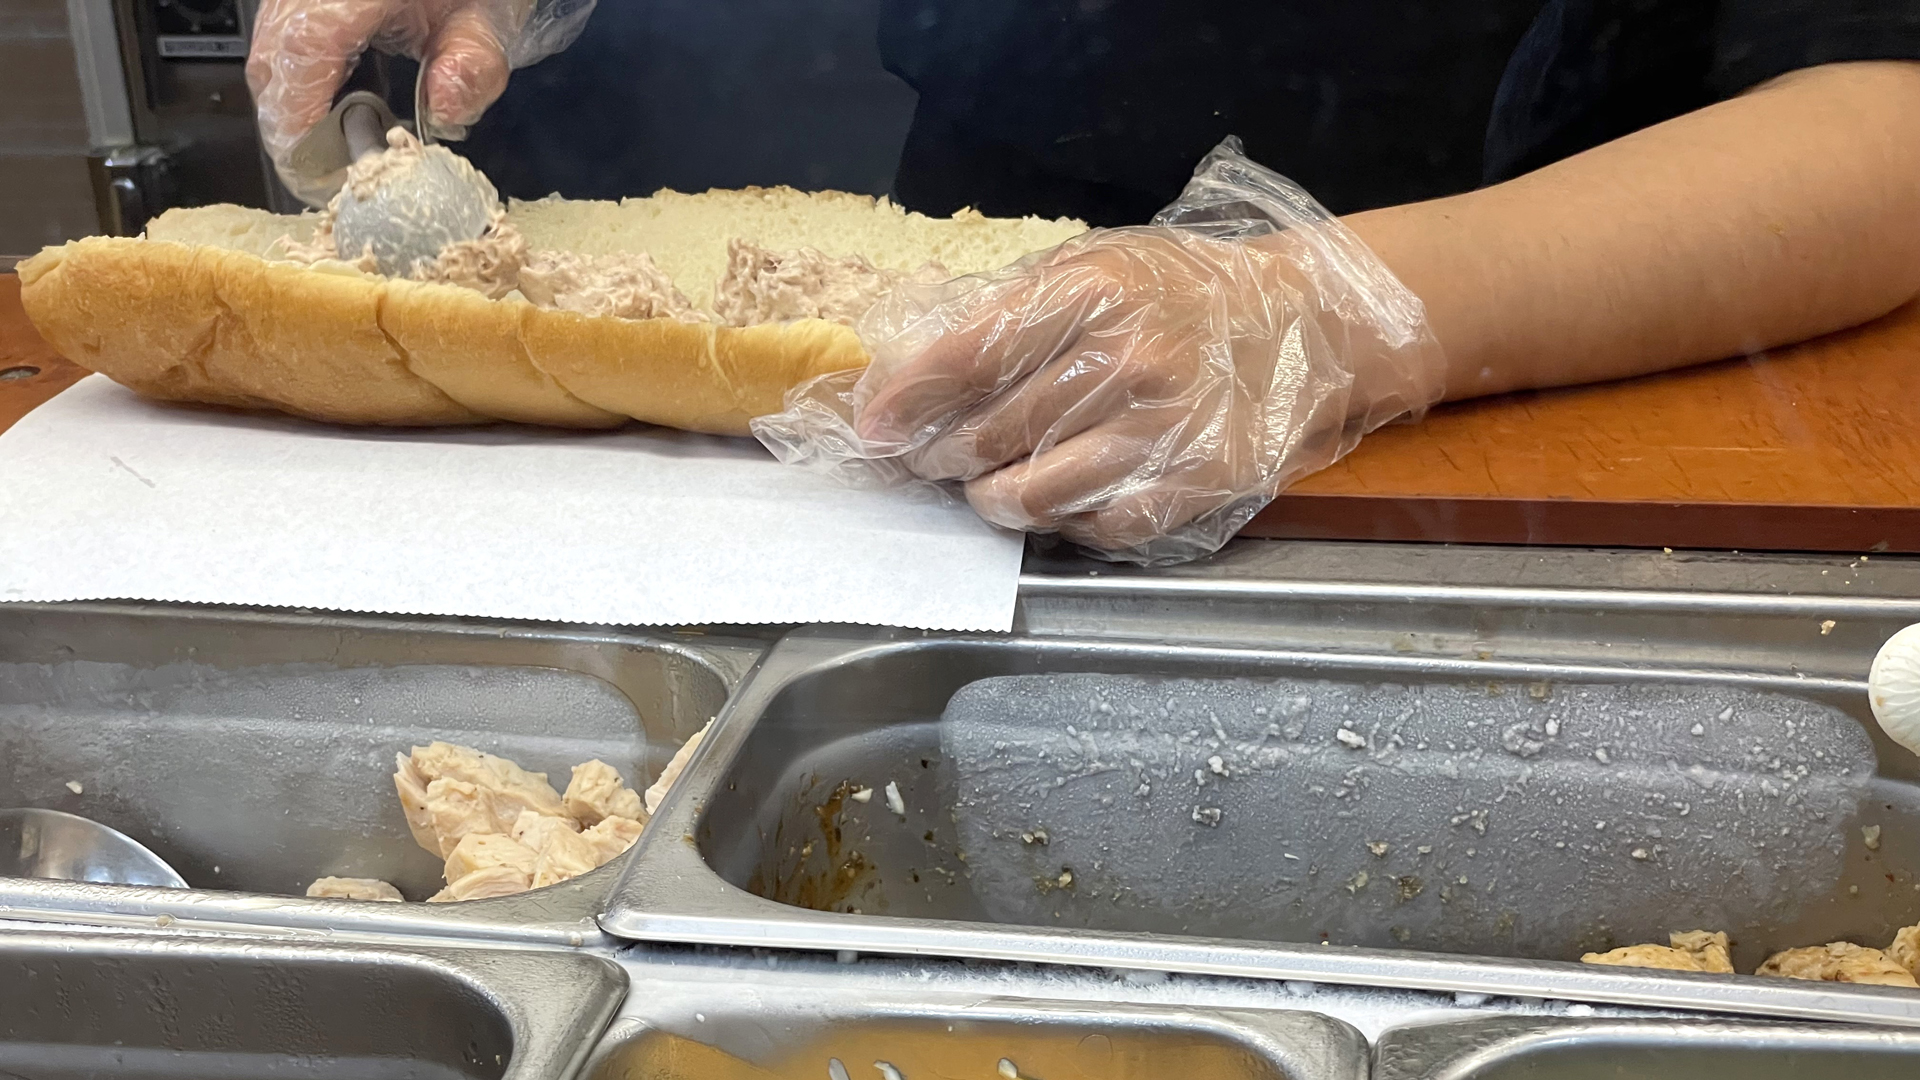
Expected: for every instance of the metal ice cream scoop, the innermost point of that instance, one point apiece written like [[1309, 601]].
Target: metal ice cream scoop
[[410, 214]]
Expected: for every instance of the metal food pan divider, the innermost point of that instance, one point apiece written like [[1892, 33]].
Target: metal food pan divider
[[173, 1007], [254, 749], [756, 817]]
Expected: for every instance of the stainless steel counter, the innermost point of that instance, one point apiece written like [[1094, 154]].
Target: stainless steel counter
[[252, 748], [764, 843]]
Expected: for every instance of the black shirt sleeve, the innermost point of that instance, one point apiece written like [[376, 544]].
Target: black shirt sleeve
[[1589, 71], [1756, 40], [1099, 108]]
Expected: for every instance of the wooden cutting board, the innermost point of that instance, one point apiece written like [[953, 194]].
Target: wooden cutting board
[[1813, 448], [30, 371]]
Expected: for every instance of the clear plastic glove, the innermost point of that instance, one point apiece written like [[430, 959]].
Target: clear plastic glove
[[1141, 391], [303, 51]]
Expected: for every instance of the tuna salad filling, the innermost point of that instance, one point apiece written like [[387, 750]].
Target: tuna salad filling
[[623, 286], [762, 286], [759, 285]]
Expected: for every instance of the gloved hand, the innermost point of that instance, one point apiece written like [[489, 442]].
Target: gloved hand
[[1141, 391], [303, 50]]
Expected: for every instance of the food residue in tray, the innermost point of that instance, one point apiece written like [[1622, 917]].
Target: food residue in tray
[[355, 888], [1691, 950], [1840, 961]]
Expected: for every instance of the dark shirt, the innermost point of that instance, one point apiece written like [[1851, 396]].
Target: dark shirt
[[1100, 108]]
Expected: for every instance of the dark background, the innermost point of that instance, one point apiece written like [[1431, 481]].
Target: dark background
[[708, 95]]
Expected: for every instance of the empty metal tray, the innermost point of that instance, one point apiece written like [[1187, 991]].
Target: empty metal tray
[[1675, 1049], [76, 1006], [713, 1022], [254, 750], [769, 842]]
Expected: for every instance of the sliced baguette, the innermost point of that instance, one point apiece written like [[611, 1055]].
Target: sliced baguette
[[202, 310]]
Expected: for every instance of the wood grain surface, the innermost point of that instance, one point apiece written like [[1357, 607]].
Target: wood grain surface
[[30, 371], [1813, 448]]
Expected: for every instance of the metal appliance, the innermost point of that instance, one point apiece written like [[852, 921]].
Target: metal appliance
[[169, 121], [193, 139]]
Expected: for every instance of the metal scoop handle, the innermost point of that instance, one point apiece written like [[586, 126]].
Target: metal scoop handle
[[361, 124], [422, 119], [329, 148]]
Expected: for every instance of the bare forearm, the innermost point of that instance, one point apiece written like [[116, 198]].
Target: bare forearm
[[1789, 212]]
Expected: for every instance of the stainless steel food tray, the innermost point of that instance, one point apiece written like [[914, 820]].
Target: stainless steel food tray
[[862, 704], [173, 1007], [254, 749], [1508, 1048], [739, 1015], [718, 1018]]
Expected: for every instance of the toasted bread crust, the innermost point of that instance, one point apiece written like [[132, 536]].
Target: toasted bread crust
[[204, 324], [192, 323], [469, 347], [693, 376]]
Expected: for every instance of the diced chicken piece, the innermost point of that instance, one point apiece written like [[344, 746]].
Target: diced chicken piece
[[355, 888], [566, 855], [483, 884], [1905, 949], [1839, 961], [412, 787], [658, 792], [456, 808], [597, 791], [497, 791], [508, 781], [560, 851], [611, 838], [538, 830], [506, 778], [502, 829], [478, 851]]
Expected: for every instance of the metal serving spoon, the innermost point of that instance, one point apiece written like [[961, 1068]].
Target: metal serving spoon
[[37, 843]]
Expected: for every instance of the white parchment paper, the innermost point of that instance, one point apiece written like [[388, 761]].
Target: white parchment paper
[[107, 496]]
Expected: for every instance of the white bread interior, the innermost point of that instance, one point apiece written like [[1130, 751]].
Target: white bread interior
[[236, 228], [200, 310], [687, 234]]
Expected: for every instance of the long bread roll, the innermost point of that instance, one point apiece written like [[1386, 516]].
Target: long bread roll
[[206, 308]]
